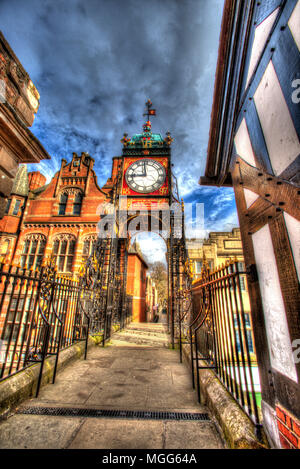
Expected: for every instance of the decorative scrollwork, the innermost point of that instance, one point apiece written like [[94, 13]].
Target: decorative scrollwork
[[47, 278]]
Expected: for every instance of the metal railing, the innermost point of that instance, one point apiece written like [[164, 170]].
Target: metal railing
[[42, 313], [220, 335]]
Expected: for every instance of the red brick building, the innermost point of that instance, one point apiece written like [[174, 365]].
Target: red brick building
[[60, 219]]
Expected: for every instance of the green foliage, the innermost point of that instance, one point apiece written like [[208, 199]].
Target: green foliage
[[159, 274]]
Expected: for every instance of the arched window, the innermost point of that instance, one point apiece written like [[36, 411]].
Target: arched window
[[88, 244], [64, 251], [33, 251], [77, 203], [62, 204]]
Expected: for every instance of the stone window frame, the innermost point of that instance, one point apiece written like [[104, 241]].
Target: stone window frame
[[77, 204], [17, 207], [34, 246], [66, 192], [62, 205], [91, 239], [65, 253]]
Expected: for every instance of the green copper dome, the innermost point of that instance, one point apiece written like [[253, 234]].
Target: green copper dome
[[147, 138]]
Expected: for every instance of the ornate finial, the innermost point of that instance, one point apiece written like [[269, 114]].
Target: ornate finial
[[168, 138], [125, 140], [147, 126]]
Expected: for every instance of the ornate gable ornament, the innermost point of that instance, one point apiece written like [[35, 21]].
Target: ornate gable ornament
[[64, 237], [70, 191], [35, 237]]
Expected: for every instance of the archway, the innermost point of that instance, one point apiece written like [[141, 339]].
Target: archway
[[153, 250]]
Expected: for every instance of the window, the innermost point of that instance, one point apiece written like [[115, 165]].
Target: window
[[16, 207], [4, 248], [242, 283], [63, 252], [88, 245], [198, 267], [62, 204], [77, 203], [33, 251], [248, 332], [8, 206]]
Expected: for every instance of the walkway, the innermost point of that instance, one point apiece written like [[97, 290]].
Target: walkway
[[136, 372]]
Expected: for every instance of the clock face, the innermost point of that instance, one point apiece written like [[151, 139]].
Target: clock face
[[145, 176]]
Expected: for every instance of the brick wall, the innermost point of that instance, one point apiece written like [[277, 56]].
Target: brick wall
[[136, 286], [289, 429]]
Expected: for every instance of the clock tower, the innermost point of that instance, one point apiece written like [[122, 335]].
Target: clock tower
[[143, 196], [146, 168]]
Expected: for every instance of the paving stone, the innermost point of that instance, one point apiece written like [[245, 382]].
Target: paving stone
[[125, 375], [119, 434], [192, 435], [119, 397], [67, 392], [37, 432]]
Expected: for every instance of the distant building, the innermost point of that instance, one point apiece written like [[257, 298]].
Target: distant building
[[218, 248], [19, 102], [151, 297]]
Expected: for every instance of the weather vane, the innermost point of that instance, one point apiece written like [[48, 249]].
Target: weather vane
[[149, 112]]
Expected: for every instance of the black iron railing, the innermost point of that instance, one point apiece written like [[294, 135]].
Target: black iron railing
[[220, 335], [42, 313]]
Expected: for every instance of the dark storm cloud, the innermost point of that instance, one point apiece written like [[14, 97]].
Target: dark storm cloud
[[96, 62]]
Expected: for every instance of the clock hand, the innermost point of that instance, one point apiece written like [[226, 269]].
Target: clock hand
[[143, 174]]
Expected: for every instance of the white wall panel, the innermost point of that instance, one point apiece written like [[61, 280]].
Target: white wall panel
[[277, 125], [294, 24], [243, 144], [261, 34], [250, 197], [275, 317]]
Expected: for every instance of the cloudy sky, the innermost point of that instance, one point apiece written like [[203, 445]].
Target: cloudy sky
[[96, 62]]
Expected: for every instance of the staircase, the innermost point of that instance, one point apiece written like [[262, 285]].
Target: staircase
[[142, 334]]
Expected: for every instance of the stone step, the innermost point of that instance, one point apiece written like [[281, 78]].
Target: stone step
[[146, 333], [140, 341], [127, 334]]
